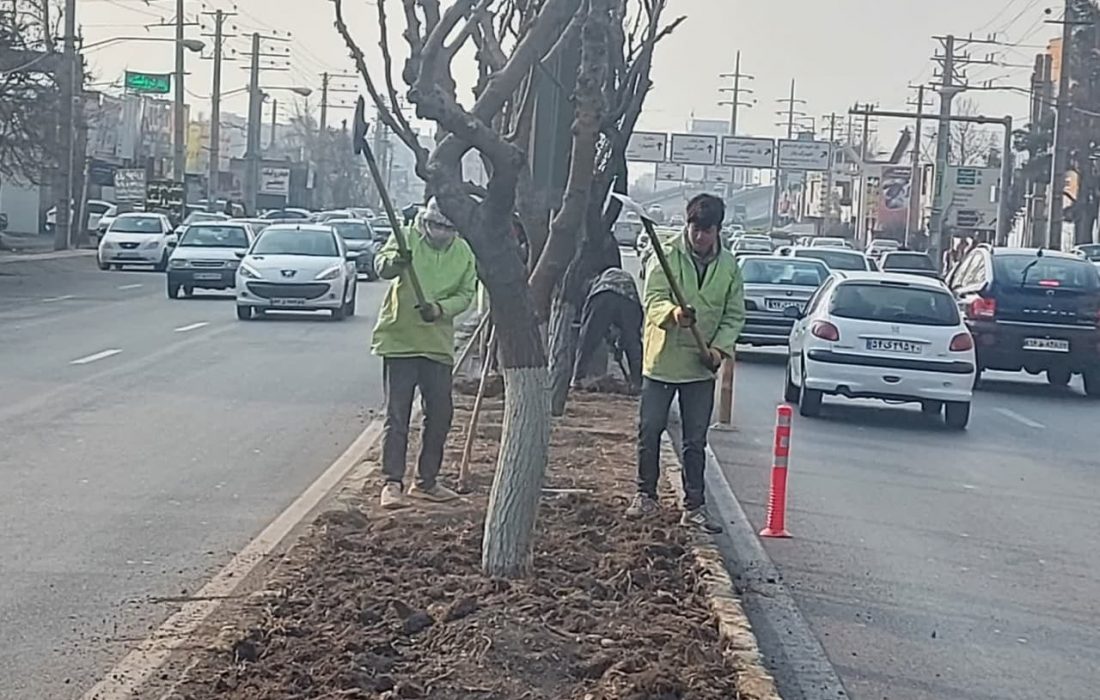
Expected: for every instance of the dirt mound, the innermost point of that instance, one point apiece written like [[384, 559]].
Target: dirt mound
[[393, 605]]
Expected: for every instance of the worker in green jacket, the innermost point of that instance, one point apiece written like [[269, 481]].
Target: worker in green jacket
[[711, 283], [416, 344]]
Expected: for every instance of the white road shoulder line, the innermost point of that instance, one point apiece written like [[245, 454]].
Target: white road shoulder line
[[126, 678], [1022, 420], [192, 327], [64, 297], [87, 360], [131, 286]]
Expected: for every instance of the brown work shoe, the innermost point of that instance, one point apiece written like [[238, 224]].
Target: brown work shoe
[[698, 519], [392, 498], [434, 494], [641, 506]]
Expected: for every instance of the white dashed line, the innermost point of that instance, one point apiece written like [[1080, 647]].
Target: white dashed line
[[66, 297], [96, 357], [1022, 420], [130, 286], [192, 327]]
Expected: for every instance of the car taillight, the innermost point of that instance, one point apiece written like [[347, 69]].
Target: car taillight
[[825, 331], [982, 308], [962, 343]]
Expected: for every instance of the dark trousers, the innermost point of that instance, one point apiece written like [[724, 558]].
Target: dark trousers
[[401, 376], [603, 312], [696, 405]]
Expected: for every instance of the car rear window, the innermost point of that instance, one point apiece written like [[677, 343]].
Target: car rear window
[[783, 271], [137, 224], [907, 261], [835, 259], [295, 242], [894, 303], [1046, 271], [213, 236]]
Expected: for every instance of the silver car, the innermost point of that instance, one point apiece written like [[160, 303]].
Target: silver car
[[297, 267], [776, 292], [360, 237], [206, 257], [136, 239]]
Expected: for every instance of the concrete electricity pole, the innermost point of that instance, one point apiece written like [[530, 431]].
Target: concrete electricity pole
[[255, 115], [274, 122], [67, 78], [912, 223], [1061, 140], [735, 102], [830, 174], [1042, 94], [214, 169], [178, 126], [777, 185]]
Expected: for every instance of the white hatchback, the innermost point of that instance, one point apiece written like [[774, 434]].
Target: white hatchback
[[875, 335]]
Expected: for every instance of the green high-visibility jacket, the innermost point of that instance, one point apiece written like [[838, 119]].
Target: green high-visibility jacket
[[448, 278], [671, 354]]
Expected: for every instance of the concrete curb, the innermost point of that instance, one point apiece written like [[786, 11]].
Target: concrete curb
[[754, 681], [54, 255], [796, 658]]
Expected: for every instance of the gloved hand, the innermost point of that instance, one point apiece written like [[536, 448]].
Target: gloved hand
[[430, 312], [684, 316], [714, 359], [401, 260]]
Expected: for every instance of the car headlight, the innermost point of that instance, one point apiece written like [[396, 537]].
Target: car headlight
[[232, 264], [152, 244], [331, 273], [177, 262], [248, 272]]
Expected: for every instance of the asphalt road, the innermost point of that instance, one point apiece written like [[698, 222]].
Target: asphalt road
[[143, 441], [935, 564]]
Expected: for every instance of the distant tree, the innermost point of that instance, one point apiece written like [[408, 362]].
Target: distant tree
[[971, 143], [344, 182], [28, 93]]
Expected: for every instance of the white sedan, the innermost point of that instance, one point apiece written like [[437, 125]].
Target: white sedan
[[137, 238], [297, 267], [874, 335]]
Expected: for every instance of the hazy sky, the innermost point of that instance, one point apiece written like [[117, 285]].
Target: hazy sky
[[839, 51]]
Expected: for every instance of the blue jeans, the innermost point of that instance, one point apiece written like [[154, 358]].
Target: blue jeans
[[696, 406]]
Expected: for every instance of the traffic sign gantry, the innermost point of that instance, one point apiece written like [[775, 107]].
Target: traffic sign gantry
[[647, 147], [719, 174], [694, 149], [670, 172], [748, 152], [804, 155]]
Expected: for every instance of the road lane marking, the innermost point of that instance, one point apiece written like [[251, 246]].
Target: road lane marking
[[192, 327], [134, 670], [64, 297], [131, 286], [1022, 420], [96, 357]]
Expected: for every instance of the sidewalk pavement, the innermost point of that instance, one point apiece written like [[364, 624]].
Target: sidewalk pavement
[[16, 247]]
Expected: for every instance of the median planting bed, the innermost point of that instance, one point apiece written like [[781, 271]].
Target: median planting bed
[[374, 604]]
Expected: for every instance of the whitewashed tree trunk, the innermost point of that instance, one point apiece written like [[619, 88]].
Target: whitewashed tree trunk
[[521, 466]]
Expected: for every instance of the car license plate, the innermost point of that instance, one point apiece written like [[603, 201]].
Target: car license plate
[[782, 304], [128, 256], [900, 346], [208, 276], [1051, 344], [288, 302]]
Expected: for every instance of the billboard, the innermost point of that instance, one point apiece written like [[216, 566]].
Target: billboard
[[894, 190]]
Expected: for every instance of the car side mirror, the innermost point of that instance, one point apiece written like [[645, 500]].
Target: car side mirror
[[240, 254], [792, 312], [172, 242], [3, 222]]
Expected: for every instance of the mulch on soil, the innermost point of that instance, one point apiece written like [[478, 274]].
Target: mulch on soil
[[393, 605]]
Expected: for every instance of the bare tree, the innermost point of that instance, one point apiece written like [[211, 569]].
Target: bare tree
[[970, 143]]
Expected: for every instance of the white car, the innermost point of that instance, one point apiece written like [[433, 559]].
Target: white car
[[880, 246], [206, 256], [876, 335], [830, 242], [95, 209], [136, 239], [834, 258], [297, 267]]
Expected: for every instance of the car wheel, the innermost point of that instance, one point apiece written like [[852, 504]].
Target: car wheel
[[957, 414], [350, 306], [102, 265], [244, 313], [931, 408], [791, 393], [1058, 377], [118, 267], [173, 291], [810, 405], [1092, 382]]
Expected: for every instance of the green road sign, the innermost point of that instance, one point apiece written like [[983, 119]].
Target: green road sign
[[158, 83], [967, 176]]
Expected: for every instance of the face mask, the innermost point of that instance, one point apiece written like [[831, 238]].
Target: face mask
[[439, 236]]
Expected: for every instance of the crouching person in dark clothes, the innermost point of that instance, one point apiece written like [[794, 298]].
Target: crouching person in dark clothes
[[712, 286], [611, 309], [416, 345]]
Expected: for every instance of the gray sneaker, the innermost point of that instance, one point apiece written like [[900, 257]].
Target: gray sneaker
[[641, 506], [392, 498], [434, 494], [697, 519]]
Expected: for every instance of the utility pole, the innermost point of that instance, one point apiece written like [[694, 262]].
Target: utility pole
[[214, 170], [274, 122], [912, 223], [319, 179], [1061, 140], [1042, 89], [735, 102], [830, 177], [252, 149], [777, 185], [178, 161], [67, 77], [864, 154]]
